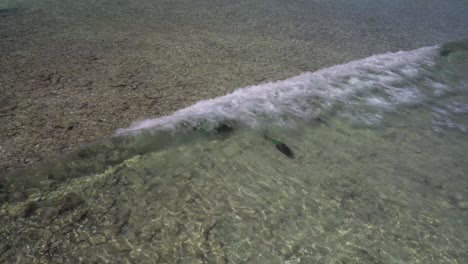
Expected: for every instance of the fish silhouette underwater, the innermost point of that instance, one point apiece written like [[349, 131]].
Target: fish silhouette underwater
[[282, 147]]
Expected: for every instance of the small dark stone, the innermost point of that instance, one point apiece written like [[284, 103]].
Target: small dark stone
[[97, 239], [463, 205], [17, 197]]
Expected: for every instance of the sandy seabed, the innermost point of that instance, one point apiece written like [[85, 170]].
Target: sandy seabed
[[72, 72]]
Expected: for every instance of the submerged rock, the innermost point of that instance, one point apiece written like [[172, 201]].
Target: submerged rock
[[17, 197], [97, 239], [463, 205]]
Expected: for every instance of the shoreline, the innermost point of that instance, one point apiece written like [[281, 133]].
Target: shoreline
[[66, 81]]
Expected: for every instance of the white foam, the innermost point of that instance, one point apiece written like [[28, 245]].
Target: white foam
[[309, 94]]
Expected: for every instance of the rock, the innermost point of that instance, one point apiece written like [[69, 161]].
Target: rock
[[73, 217], [307, 260], [458, 196], [43, 247], [46, 234], [46, 215], [3, 197], [55, 228], [365, 256], [287, 251], [120, 219], [17, 197], [68, 203], [463, 205], [121, 245], [34, 194], [383, 196], [97, 239]]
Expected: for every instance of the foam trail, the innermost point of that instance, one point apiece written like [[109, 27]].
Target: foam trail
[[310, 94]]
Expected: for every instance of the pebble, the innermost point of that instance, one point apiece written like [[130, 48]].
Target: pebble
[[458, 196], [34, 194], [383, 196], [97, 239], [3, 198], [18, 197], [463, 205], [55, 228]]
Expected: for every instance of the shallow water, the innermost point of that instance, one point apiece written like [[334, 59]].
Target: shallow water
[[107, 63], [379, 176]]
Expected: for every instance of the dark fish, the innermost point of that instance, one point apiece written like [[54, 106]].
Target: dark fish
[[283, 148], [223, 128], [452, 47], [321, 120], [219, 129]]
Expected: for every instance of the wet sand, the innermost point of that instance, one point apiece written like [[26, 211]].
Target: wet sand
[[73, 72]]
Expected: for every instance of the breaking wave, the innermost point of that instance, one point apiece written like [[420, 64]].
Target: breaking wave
[[361, 91]]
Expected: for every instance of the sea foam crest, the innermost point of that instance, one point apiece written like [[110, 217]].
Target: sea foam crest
[[310, 94]]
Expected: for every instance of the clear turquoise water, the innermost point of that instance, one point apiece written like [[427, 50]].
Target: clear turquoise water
[[379, 176]]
